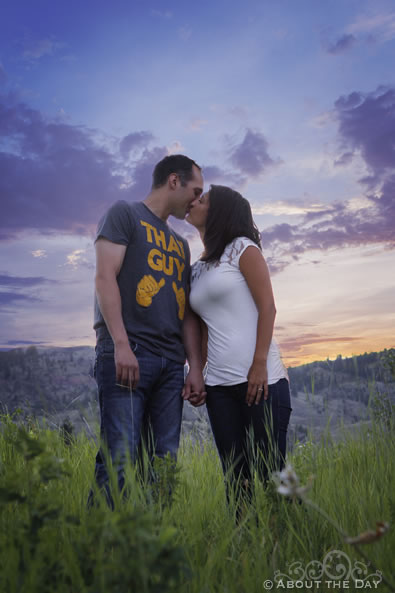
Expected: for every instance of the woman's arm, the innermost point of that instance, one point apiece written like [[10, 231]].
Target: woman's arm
[[204, 340], [256, 273], [194, 389]]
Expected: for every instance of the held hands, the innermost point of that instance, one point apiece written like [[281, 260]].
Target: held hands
[[194, 389], [257, 383], [127, 367]]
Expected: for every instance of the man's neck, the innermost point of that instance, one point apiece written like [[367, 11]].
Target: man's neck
[[156, 201]]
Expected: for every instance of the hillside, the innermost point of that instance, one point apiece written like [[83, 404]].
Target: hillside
[[57, 384], [341, 393]]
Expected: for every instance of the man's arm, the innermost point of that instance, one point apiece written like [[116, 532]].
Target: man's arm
[[194, 389], [109, 259]]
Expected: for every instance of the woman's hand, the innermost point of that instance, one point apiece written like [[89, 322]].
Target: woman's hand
[[257, 383]]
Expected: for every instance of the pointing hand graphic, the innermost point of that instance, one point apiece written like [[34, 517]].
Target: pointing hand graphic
[[147, 288], [180, 298]]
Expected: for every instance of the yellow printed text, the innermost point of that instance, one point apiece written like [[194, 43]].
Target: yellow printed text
[[160, 262], [153, 235]]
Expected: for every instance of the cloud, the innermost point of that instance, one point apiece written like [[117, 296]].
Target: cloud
[[175, 148], [39, 253], [366, 126], [343, 44], [338, 226], [77, 259], [134, 140], [23, 342], [142, 172], [251, 156], [380, 24], [216, 175], [296, 344], [344, 159], [55, 176], [23, 281], [9, 298], [367, 123], [162, 14], [196, 124], [287, 208], [40, 48]]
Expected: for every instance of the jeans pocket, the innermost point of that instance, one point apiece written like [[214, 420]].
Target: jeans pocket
[[134, 346], [105, 348]]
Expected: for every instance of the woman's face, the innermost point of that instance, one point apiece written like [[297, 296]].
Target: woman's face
[[198, 211]]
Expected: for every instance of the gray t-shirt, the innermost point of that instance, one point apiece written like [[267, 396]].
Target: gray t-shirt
[[153, 280]]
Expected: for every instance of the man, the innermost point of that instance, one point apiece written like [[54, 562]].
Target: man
[[144, 326]]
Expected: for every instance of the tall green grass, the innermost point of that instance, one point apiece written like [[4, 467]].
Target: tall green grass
[[49, 541]]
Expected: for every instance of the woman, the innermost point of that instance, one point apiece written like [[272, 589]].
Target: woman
[[248, 399]]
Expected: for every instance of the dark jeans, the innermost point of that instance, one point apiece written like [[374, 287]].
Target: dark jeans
[[249, 438], [154, 408]]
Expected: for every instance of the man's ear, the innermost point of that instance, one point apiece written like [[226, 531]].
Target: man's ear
[[172, 180]]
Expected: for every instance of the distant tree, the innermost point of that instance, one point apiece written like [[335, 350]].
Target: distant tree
[[31, 352], [388, 361]]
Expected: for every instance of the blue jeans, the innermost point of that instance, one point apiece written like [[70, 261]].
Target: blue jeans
[[249, 437], [154, 408]]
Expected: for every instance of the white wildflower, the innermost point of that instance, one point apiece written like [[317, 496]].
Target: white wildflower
[[288, 483]]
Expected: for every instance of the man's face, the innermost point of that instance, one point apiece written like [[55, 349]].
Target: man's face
[[186, 194]]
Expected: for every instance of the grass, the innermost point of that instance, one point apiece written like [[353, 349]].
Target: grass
[[49, 541]]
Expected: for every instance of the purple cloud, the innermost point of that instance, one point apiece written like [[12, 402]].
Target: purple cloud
[[24, 342], [343, 44], [142, 172], [296, 344], [337, 227], [58, 177], [251, 156], [53, 176], [9, 298], [134, 140], [367, 125], [22, 281], [344, 159], [214, 174], [34, 50]]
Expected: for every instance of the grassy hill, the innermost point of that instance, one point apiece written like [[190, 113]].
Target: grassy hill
[[57, 384], [51, 543]]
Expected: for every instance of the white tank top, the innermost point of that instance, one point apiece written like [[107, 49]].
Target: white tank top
[[220, 296]]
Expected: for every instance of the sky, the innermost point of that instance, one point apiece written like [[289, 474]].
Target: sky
[[291, 103]]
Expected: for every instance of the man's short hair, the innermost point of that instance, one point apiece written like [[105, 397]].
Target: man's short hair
[[174, 163]]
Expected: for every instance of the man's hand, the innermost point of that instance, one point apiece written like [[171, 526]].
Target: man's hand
[[194, 388], [127, 366]]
